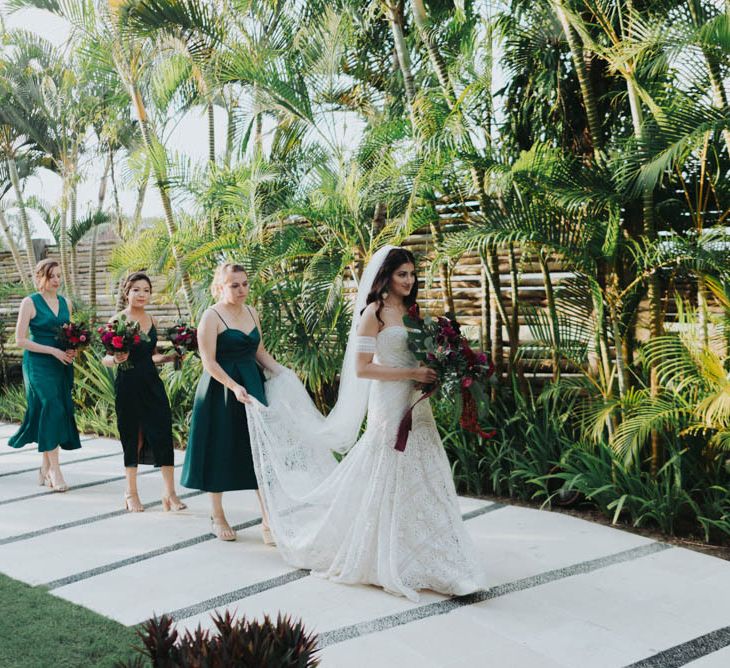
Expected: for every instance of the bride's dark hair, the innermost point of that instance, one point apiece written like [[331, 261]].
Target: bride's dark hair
[[396, 258]]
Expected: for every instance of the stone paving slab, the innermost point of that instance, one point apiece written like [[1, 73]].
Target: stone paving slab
[[562, 591]]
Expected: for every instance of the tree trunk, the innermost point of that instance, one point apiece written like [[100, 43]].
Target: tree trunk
[[13, 247], [95, 233], [24, 225], [63, 234], [115, 191], [485, 333], [379, 219], [514, 322], [73, 201], [211, 133], [586, 88], [714, 71], [404, 59], [490, 265], [653, 288], [552, 312], [442, 74], [165, 197], [230, 132], [141, 194]]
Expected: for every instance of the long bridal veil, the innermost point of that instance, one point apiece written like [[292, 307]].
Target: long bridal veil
[[293, 443]]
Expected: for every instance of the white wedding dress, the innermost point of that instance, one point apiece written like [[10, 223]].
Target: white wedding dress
[[380, 516]]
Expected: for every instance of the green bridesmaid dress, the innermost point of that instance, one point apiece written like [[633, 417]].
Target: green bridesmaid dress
[[49, 416], [218, 457], [142, 404]]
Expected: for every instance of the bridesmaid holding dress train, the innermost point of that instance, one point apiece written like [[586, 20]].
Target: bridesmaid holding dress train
[[48, 375], [218, 457], [144, 419]]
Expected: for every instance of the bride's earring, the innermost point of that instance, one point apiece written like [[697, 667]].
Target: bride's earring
[[384, 294]]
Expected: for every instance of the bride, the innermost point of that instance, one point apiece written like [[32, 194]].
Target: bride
[[380, 516]]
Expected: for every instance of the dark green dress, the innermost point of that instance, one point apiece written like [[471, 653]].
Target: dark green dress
[[218, 457], [49, 415], [142, 404]]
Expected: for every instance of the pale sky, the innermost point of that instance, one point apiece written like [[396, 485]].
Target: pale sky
[[188, 137]]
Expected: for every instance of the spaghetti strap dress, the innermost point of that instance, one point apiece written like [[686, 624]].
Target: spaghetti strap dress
[[218, 456], [49, 415], [142, 405]]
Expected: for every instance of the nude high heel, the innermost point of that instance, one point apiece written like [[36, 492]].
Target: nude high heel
[[218, 528], [267, 535], [176, 506], [60, 487], [129, 503]]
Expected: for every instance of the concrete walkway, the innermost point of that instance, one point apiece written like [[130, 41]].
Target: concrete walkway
[[563, 591]]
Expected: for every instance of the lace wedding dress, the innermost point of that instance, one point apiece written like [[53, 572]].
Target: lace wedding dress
[[380, 516]]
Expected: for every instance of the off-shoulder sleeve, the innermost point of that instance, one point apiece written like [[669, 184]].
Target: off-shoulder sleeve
[[365, 344]]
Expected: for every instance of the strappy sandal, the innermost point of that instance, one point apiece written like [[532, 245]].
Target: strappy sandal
[[129, 503], [267, 536], [172, 503], [220, 528], [60, 487]]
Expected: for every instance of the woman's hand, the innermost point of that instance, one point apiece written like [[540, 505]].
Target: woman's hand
[[63, 356], [72, 353], [425, 375], [240, 393], [120, 358]]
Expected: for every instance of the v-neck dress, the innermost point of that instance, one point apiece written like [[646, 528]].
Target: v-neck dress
[[142, 405], [49, 415], [218, 457]]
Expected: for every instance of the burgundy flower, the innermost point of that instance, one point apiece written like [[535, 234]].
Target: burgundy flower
[[414, 311]]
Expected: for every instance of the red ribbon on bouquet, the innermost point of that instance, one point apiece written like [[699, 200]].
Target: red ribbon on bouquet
[[404, 428], [468, 419]]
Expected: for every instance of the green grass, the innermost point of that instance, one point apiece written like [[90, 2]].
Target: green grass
[[40, 630]]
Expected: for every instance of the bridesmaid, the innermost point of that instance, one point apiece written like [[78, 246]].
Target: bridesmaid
[[218, 457], [48, 375], [144, 419]]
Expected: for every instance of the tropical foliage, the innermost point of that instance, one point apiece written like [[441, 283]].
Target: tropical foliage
[[584, 142]]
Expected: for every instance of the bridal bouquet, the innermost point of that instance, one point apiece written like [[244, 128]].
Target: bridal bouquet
[[120, 336], [462, 372], [184, 338], [74, 335]]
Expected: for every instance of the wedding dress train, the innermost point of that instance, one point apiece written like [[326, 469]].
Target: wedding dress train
[[380, 516]]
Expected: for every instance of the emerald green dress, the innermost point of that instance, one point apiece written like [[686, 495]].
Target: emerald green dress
[[49, 415], [142, 405], [218, 457]]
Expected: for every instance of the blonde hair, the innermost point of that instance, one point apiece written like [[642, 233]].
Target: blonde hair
[[219, 277], [43, 271]]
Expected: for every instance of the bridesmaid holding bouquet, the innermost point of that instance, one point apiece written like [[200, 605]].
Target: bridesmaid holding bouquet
[[144, 419], [48, 375]]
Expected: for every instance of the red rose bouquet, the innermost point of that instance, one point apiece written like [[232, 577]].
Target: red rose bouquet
[[462, 372], [74, 335], [184, 338], [120, 336]]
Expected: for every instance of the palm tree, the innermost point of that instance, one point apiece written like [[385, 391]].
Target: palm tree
[[5, 186]]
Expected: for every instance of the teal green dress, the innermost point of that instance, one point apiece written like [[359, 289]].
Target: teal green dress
[[49, 415], [218, 457], [142, 405]]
